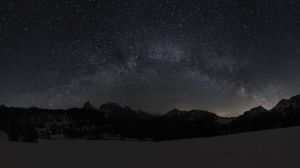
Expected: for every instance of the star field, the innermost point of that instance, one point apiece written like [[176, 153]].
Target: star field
[[221, 56]]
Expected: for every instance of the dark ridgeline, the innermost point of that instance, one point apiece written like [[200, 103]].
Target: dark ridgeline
[[111, 121]]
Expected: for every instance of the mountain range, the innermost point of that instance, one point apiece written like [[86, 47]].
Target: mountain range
[[112, 121]]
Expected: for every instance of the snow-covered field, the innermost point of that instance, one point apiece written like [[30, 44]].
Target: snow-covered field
[[264, 149]]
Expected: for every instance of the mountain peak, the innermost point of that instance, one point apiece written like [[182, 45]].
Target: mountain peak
[[259, 108], [2, 106], [296, 98], [291, 103], [88, 106], [174, 113], [255, 111]]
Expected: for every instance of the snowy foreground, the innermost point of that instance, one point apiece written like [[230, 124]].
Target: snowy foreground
[[278, 148]]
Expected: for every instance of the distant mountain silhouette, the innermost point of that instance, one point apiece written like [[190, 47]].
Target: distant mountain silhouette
[[285, 113], [112, 121], [254, 112], [88, 106], [288, 105], [192, 115]]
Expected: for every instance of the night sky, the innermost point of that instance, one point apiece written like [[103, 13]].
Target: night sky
[[155, 55]]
